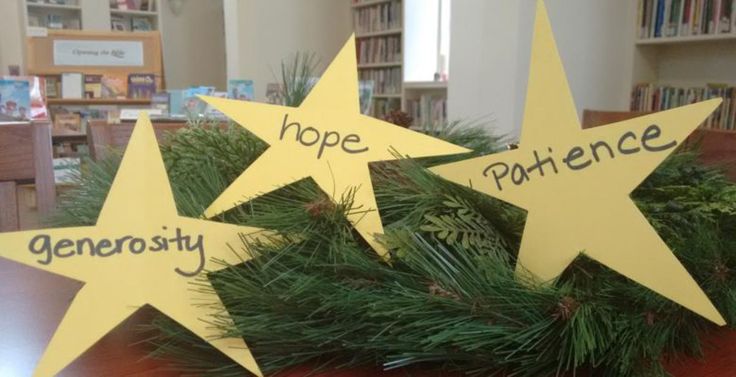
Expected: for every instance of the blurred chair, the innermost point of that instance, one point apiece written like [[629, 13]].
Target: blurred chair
[[102, 136], [715, 147], [25, 157]]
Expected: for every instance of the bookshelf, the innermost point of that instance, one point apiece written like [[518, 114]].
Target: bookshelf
[[684, 51], [54, 14], [134, 15], [378, 26], [426, 102]]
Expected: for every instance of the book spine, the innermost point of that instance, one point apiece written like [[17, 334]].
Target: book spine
[[660, 19]]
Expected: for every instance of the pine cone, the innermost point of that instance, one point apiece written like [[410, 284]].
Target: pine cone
[[399, 118]]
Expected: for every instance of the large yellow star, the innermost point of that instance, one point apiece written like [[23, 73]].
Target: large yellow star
[[139, 252], [326, 138], [576, 183]]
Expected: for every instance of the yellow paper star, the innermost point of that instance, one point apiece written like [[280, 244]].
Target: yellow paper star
[[576, 183], [139, 252], [327, 139]]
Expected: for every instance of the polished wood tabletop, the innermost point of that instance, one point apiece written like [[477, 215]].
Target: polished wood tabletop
[[33, 303]]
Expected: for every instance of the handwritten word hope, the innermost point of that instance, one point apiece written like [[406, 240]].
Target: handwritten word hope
[[577, 158], [50, 249], [310, 136]]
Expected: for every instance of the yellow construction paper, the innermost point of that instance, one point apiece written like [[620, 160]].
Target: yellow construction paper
[[576, 183], [327, 139], [139, 252]]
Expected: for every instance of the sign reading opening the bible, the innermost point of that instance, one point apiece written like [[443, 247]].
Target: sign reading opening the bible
[[140, 251], [98, 53]]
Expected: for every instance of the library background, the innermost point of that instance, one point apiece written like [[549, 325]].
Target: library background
[[78, 74]]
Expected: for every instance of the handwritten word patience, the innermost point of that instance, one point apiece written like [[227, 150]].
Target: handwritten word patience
[[577, 157], [50, 249], [309, 136]]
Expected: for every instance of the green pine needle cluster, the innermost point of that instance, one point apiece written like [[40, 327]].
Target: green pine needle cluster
[[449, 298]]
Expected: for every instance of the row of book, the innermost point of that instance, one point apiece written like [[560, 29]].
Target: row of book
[[650, 98], [79, 85], [379, 17], [385, 80], [673, 18], [383, 106], [144, 5], [379, 50], [53, 21], [428, 111]]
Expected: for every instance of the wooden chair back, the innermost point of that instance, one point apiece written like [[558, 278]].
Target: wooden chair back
[[25, 157], [103, 136], [715, 147]]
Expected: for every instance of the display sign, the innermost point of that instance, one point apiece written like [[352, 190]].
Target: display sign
[[98, 53]]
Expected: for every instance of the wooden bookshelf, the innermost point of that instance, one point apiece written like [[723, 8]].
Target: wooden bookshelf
[[419, 99], [367, 3], [127, 18], [41, 13], [386, 71], [98, 101]]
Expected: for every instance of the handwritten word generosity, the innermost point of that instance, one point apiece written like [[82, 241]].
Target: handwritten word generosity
[[311, 136], [50, 249], [576, 157]]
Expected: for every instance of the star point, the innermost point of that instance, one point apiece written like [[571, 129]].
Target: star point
[[576, 183], [325, 138], [140, 251]]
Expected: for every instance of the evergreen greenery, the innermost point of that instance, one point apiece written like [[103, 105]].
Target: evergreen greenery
[[449, 299]]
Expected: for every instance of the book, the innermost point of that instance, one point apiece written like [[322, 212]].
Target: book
[[66, 169], [192, 105], [210, 111], [141, 85], [54, 21], [92, 86], [51, 84], [274, 93], [365, 90], [118, 24], [176, 103], [114, 86], [160, 101], [67, 124], [15, 99], [38, 110], [240, 89], [72, 85], [140, 24]]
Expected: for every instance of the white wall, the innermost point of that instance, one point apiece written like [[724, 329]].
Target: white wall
[[262, 33], [11, 36], [491, 43], [420, 39], [194, 44]]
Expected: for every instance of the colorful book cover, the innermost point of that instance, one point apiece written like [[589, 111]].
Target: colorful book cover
[[274, 93], [15, 99], [192, 105], [211, 111], [160, 101], [92, 86], [176, 102], [114, 86], [365, 89], [140, 24], [39, 111], [141, 85], [240, 89], [67, 124]]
